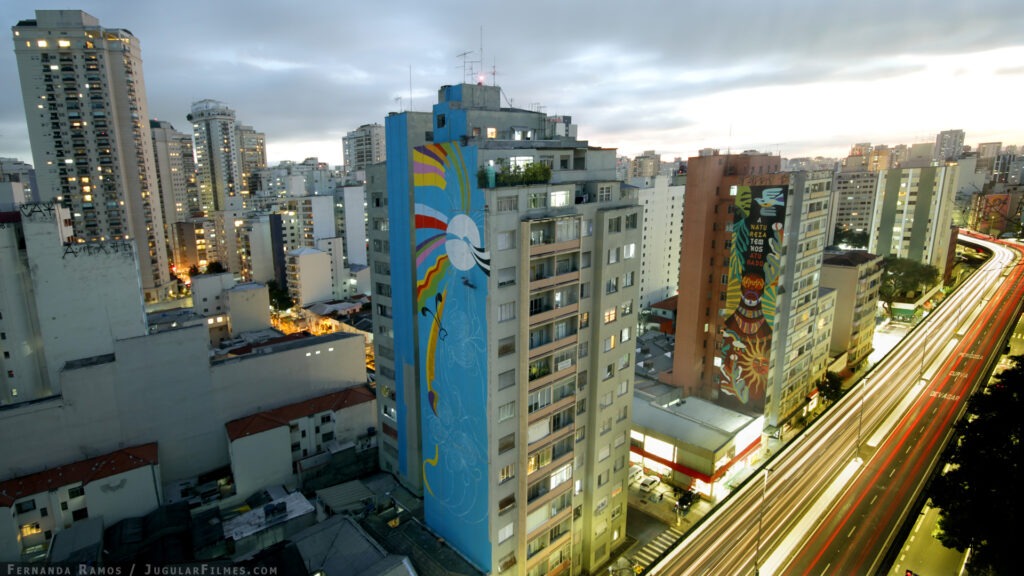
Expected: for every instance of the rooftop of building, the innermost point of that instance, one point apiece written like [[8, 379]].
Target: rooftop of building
[[839, 257], [667, 304], [263, 517], [653, 354], [692, 420], [269, 341], [270, 419], [81, 472]]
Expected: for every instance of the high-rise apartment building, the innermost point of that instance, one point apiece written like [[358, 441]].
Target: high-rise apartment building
[[662, 237], [14, 170], [749, 296], [853, 202], [218, 161], [646, 165], [704, 262], [363, 146], [85, 106], [223, 164], [505, 318], [252, 150], [949, 145], [172, 151], [913, 214]]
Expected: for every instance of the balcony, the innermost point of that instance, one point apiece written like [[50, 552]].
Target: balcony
[[548, 346], [545, 248], [546, 278]]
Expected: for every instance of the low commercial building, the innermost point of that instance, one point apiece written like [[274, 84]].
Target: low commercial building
[[691, 443]]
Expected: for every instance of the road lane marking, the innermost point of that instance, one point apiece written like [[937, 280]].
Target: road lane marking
[[825, 571], [850, 533], [874, 498], [891, 473]]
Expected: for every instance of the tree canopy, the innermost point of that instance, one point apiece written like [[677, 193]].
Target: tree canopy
[[979, 493], [279, 297], [902, 277], [831, 388]]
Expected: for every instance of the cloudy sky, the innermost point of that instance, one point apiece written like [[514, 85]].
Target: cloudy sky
[[796, 77]]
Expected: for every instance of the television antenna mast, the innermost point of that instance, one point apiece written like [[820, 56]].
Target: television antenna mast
[[468, 71]]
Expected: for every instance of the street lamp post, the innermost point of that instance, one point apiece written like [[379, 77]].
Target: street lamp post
[[760, 520]]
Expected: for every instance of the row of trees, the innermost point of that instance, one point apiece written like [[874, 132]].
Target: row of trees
[[978, 493]]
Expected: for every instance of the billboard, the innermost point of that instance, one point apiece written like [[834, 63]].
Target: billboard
[[452, 266], [759, 213]]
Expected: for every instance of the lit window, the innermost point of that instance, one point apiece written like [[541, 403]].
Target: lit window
[[64, 43], [41, 43], [492, 133]]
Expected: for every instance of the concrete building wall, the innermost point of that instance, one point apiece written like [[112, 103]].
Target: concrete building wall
[[162, 388], [248, 307], [126, 495], [309, 276], [23, 374], [261, 460], [86, 296]]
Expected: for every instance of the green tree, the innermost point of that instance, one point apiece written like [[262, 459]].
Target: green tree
[[279, 297], [831, 388], [902, 278], [978, 494]]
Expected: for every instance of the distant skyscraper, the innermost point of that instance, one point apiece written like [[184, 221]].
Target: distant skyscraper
[[363, 146], [949, 144], [853, 202], [252, 147], [174, 164], [218, 157], [85, 103], [646, 165], [14, 170]]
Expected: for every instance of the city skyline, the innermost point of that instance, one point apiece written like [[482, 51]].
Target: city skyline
[[785, 79]]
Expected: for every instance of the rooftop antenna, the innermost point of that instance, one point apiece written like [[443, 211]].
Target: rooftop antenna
[[398, 100], [467, 65]]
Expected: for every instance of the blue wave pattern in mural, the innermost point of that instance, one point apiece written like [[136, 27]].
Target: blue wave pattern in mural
[[452, 267]]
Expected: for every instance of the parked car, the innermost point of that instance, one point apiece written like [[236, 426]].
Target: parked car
[[636, 473], [649, 483]]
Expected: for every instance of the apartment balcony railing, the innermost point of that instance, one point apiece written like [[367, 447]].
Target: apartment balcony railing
[[548, 248], [548, 279]]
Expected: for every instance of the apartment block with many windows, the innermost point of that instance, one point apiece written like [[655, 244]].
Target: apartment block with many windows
[[505, 261]]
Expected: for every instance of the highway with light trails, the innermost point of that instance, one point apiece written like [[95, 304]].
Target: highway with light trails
[[832, 500]]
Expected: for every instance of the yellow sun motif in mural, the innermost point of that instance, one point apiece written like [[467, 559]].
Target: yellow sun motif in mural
[[755, 362]]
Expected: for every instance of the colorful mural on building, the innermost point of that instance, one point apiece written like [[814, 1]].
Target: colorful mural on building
[[452, 266], [754, 261]]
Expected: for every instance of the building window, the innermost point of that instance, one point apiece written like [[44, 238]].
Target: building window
[[26, 506], [631, 221], [506, 346], [585, 260], [609, 343], [506, 311], [588, 228], [506, 503], [609, 315], [584, 320], [506, 379], [506, 443], [506, 411], [624, 335], [506, 473], [506, 532], [615, 224], [507, 276], [506, 240], [612, 285], [508, 203]]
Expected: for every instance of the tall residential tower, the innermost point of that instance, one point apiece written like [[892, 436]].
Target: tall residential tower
[[85, 103], [506, 308]]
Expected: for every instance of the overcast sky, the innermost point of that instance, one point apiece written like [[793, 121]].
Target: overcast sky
[[793, 77]]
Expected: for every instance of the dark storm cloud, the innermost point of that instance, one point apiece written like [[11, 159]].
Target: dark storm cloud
[[310, 71]]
